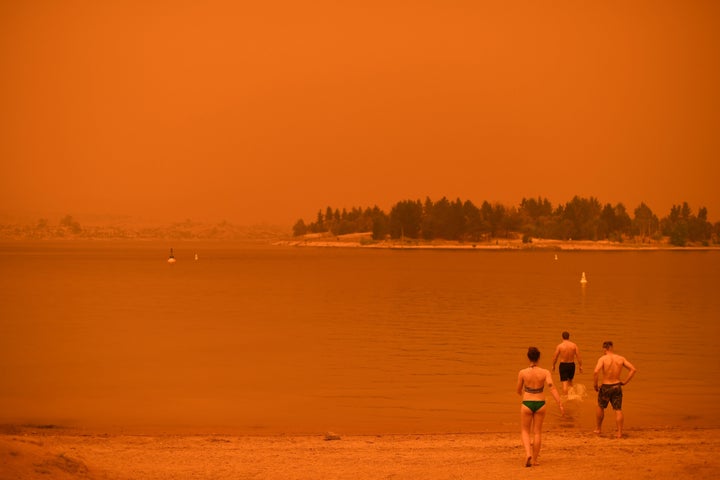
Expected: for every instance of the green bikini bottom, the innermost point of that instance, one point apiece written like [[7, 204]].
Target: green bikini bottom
[[534, 405]]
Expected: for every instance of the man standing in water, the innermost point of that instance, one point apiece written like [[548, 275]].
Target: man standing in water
[[567, 352], [610, 391]]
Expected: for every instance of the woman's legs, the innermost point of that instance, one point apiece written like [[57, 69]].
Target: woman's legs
[[526, 420], [538, 418]]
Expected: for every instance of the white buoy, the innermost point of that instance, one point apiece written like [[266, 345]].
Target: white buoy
[[583, 279], [556, 256], [172, 257], [196, 257]]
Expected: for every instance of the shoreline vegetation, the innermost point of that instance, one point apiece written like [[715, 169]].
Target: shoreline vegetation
[[365, 240], [463, 222], [277, 237]]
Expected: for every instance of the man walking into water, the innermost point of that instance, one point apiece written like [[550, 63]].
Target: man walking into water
[[567, 352], [611, 365]]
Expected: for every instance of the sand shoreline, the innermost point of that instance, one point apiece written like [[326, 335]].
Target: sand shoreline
[[653, 453], [364, 240]]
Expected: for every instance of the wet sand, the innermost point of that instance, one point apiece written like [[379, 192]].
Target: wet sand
[[58, 453]]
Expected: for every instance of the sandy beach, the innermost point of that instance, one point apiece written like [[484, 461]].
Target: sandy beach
[[59, 453]]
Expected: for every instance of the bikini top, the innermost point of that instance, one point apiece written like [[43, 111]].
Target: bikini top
[[534, 390]]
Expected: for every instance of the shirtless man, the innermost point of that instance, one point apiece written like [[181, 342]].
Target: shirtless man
[[610, 391], [567, 352]]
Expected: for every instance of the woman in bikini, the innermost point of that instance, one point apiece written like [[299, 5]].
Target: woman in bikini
[[531, 385]]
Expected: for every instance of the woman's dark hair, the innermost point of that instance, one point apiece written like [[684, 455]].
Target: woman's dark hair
[[533, 354]]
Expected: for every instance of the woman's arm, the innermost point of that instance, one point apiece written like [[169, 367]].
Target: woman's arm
[[520, 383]]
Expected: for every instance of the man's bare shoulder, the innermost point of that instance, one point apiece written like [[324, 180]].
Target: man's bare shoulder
[[615, 361], [604, 360]]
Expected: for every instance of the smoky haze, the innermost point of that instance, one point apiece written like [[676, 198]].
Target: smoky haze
[[268, 113]]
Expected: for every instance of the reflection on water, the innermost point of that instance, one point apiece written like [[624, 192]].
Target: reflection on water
[[275, 339]]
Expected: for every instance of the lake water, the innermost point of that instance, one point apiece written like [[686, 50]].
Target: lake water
[[267, 339]]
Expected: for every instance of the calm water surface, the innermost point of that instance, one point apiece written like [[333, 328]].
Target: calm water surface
[[270, 339]]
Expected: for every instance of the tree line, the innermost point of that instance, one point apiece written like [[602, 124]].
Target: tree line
[[458, 220]]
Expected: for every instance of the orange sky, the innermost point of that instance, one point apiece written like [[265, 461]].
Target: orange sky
[[229, 110]]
